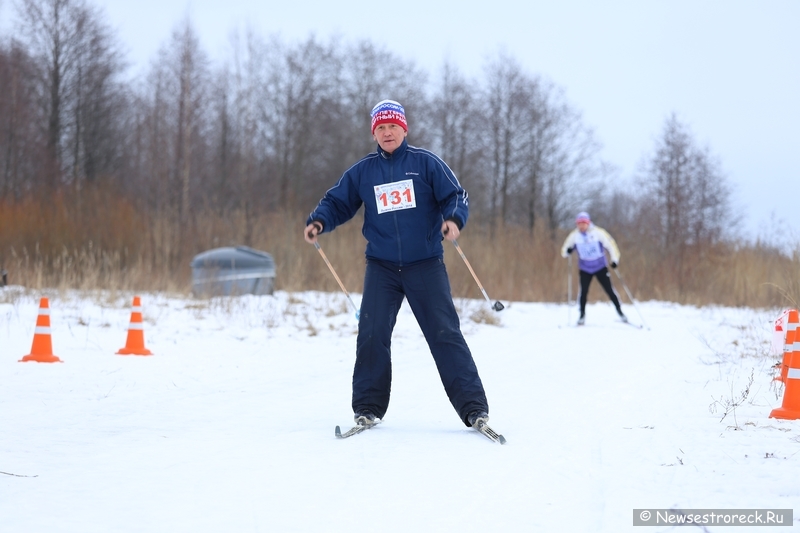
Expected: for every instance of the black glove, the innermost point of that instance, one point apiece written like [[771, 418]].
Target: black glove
[[317, 226], [613, 264], [570, 249]]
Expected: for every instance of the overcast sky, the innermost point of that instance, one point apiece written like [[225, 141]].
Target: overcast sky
[[729, 69]]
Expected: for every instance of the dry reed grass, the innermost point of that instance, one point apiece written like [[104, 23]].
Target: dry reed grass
[[97, 241]]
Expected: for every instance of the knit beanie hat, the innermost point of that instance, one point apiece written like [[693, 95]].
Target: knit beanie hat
[[388, 111], [583, 216]]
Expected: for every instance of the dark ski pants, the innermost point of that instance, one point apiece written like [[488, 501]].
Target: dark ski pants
[[604, 278], [427, 288]]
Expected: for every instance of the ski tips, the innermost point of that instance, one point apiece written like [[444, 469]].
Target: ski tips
[[355, 430], [484, 429]]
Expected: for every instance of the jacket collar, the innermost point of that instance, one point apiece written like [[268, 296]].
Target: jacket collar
[[400, 150]]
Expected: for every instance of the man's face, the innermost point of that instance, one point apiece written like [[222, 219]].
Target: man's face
[[583, 226], [389, 136]]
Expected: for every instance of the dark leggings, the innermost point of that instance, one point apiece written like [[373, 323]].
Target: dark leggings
[[604, 278]]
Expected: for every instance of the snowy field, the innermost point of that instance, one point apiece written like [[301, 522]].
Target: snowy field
[[229, 426]]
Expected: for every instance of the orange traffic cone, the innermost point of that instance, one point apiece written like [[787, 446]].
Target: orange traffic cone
[[791, 344], [135, 343], [790, 410], [42, 349]]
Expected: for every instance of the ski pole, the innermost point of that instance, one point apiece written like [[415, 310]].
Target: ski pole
[[497, 306], [569, 289], [319, 249], [630, 297]]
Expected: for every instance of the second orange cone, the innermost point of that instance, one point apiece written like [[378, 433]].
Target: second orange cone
[[790, 410], [792, 343], [135, 342]]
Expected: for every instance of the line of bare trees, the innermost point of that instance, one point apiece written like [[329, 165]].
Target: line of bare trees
[[270, 128]]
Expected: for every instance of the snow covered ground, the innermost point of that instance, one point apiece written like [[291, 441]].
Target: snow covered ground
[[229, 427]]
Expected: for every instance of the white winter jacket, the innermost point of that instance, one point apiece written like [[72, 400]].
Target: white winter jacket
[[591, 247]]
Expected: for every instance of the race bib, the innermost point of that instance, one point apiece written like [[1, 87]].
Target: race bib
[[395, 196], [590, 250]]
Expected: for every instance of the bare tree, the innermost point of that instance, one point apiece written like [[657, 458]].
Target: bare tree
[[542, 159], [51, 34], [687, 194], [243, 169], [22, 143], [97, 101], [224, 141], [711, 217], [76, 64], [510, 118], [292, 100], [453, 122], [154, 149], [610, 201], [564, 159], [190, 70], [688, 188], [176, 100], [371, 74]]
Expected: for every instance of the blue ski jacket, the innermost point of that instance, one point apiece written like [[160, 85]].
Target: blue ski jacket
[[407, 195]]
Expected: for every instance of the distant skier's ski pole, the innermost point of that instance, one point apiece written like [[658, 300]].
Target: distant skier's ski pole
[[569, 289], [319, 249], [497, 306], [630, 297]]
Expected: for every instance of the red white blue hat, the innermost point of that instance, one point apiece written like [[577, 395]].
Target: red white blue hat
[[388, 111]]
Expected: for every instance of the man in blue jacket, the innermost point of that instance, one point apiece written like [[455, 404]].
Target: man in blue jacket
[[412, 201]]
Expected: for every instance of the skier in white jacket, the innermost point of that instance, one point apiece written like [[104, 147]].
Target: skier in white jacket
[[591, 243]]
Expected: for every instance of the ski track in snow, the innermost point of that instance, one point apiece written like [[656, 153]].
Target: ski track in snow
[[230, 425]]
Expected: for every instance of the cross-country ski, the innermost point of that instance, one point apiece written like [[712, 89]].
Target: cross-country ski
[[355, 430], [484, 429]]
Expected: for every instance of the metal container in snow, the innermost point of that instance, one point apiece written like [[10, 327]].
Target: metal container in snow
[[233, 271]]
